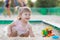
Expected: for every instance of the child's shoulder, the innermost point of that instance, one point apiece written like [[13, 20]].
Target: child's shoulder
[[15, 20], [13, 23]]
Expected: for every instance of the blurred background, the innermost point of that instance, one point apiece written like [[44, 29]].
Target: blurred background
[[43, 7]]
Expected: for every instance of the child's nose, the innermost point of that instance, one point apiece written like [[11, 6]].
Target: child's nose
[[28, 15]]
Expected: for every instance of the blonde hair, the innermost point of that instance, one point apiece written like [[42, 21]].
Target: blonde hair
[[21, 10]]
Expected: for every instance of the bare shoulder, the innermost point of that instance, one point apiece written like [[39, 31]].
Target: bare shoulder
[[12, 25]]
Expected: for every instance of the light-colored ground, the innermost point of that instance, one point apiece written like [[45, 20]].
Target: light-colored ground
[[37, 27]]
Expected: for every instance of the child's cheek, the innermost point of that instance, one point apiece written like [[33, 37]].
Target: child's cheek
[[23, 15]]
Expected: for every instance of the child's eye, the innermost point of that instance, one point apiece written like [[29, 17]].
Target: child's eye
[[29, 14], [25, 14]]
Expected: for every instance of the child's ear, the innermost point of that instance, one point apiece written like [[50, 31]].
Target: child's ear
[[19, 15]]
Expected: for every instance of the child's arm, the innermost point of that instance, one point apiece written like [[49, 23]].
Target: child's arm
[[11, 33], [31, 32]]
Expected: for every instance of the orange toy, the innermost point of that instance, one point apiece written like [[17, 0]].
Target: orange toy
[[50, 33], [49, 29]]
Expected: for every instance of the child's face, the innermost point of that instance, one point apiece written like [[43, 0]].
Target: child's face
[[25, 16]]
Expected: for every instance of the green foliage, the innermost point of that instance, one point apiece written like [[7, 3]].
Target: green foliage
[[46, 3], [1, 3], [58, 3], [30, 4]]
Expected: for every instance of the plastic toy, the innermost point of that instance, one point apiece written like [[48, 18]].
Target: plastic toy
[[44, 33], [47, 32], [55, 37]]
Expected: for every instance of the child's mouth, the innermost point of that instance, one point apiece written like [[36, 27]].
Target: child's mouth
[[27, 18]]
